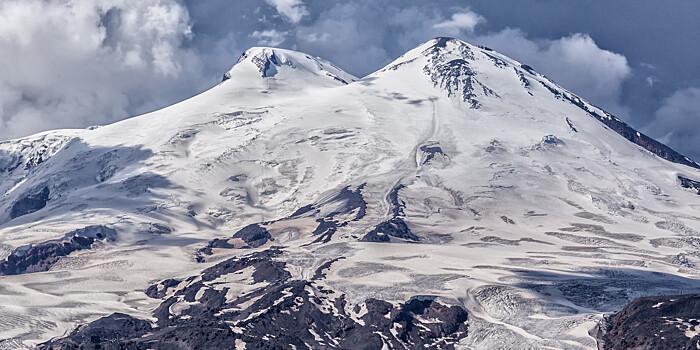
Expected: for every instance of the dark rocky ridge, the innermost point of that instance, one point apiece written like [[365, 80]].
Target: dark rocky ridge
[[659, 322], [645, 141], [459, 79], [455, 76], [283, 313], [42, 256], [623, 129]]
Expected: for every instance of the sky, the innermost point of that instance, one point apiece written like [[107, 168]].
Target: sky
[[77, 63]]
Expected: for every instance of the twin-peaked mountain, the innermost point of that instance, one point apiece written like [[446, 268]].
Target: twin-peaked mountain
[[453, 199]]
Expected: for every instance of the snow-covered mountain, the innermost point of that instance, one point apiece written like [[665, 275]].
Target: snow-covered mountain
[[453, 199]]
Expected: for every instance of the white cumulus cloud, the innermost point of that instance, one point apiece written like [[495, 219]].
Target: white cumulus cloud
[[576, 62], [76, 63], [677, 121], [293, 10], [269, 37], [462, 21]]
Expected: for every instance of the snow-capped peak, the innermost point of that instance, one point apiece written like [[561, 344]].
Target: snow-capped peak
[[482, 77], [296, 68], [455, 173]]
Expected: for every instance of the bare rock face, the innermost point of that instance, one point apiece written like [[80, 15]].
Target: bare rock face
[[449, 69], [394, 227], [689, 184], [284, 313], [30, 203], [42, 256], [105, 333], [663, 322]]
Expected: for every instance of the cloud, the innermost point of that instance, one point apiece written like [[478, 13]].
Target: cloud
[[269, 37], [293, 10], [362, 36], [677, 122], [576, 62], [651, 81], [76, 63], [462, 21]]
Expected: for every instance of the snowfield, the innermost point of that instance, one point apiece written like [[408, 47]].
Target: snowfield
[[454, 173]]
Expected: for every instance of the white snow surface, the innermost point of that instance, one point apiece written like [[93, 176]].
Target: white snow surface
[[516, 207]]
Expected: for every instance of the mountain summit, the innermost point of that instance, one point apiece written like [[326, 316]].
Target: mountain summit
[[455, 198], [280, 65]]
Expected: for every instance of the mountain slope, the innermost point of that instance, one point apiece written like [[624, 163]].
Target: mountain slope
[[455, 184]]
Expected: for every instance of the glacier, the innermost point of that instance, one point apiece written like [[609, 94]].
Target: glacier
[[455, 198]]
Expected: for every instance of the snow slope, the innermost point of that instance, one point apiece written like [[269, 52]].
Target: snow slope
[[454, 171]]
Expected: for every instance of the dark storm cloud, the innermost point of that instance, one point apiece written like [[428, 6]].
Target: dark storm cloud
[[98, 61]]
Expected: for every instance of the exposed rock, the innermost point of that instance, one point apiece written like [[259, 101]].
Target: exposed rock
[[346, 201], [496, 61], [156, 229], [285, 313], [431, 152], [303, 210], [116, 331], [523, 80], [688, 183], [253, 235], [661, 322], [42, 256], [397, 205], [507, 220], [266, 268], [624, 130], [645, 141], [455, 75], [325, 230], [159, 290], [528, 69], [353, 201], [30, 203], [319, 274], [394, 227]]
